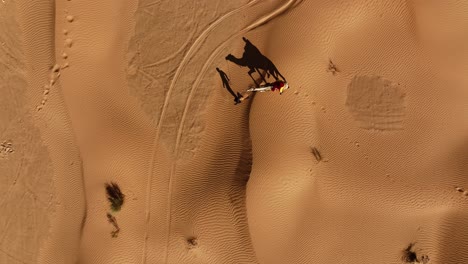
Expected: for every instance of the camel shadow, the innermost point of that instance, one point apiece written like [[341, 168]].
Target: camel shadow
[[256, 61]]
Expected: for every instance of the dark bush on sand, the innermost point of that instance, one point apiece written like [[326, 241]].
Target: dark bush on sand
[[115, 196]]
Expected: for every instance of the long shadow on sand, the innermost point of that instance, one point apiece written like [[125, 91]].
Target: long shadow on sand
[[226, 84], [256, 61]]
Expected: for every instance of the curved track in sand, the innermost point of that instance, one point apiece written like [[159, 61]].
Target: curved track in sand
[[198, 79], [183, 63]]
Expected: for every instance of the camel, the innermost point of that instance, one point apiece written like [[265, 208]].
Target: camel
[[255, 60]]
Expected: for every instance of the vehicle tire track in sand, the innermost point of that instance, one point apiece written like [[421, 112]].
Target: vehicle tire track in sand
[[197, 43], [198, 79], [216, 53], [173, 55]]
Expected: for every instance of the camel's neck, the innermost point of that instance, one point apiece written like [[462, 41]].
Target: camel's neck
[[238, 61]]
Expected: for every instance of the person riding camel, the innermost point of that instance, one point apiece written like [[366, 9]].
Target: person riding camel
[[278, 85]]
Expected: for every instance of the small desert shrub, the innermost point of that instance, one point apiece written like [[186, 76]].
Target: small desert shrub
[[316, 153], [113, 221], [409, 255], [115, 196]]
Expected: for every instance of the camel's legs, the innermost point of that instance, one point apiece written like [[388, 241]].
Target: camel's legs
[[276, 73], [253, 79], [284, 79], [250, 74], [259, 73]]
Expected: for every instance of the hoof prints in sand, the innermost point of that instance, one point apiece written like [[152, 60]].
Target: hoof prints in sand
[[376, 103]]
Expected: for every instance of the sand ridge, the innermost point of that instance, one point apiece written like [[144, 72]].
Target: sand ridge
[[42, 164], [362, 160], [382, 179], [188, 108]]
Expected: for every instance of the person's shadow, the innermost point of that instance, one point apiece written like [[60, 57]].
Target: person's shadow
[[256, 61], [226, 84]]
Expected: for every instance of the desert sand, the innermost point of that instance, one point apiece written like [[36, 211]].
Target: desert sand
[[364, 159]]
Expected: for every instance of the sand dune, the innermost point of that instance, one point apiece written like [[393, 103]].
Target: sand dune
[[362, 160]]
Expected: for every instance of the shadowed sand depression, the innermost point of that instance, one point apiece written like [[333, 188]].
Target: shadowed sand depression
[[350, 166]]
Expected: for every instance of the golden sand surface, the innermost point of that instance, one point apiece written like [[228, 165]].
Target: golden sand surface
[[364, 159]]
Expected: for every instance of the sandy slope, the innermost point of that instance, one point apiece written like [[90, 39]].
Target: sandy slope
[[42, 197], [394, 139], [134, 98], [181, 207]]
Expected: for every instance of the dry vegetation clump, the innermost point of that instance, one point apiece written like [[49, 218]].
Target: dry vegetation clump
[[115, 196], [113, 221], [410, 255], [316, 154]]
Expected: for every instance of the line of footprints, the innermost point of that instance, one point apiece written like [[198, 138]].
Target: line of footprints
[[56, 69]]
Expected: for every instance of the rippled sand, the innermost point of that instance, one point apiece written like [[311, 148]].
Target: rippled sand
[[362, 160]]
